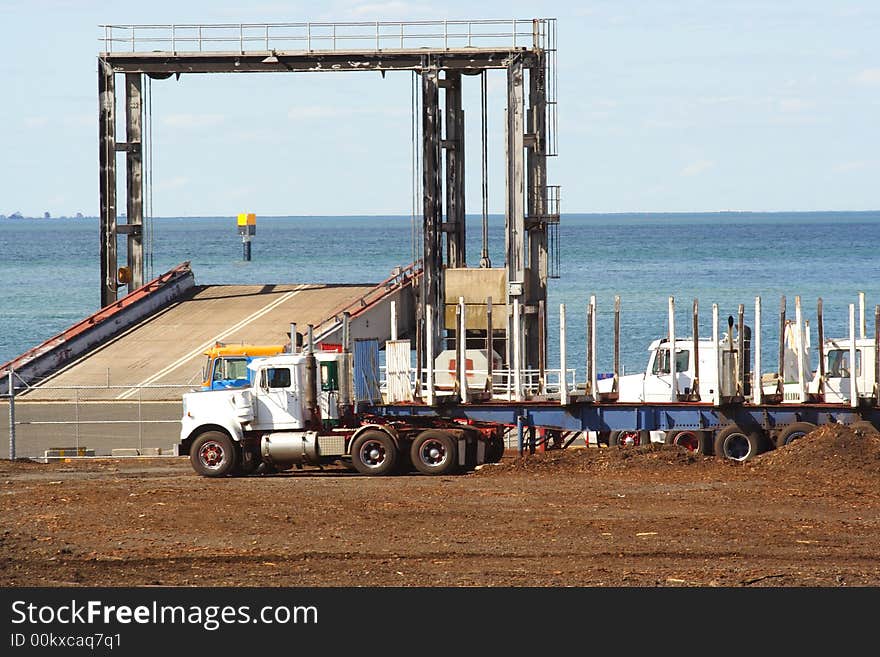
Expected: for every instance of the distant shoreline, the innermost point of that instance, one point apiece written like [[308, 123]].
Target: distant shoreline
[[622, 213]]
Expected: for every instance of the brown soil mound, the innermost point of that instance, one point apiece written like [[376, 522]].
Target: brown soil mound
[[831, 449], [645, 458]]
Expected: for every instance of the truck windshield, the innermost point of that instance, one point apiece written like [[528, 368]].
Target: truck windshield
[[661, 361], [838, 363], [230, 368]]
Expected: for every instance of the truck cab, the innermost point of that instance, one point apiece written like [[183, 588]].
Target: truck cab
[[840, 373], [655, 383], [274, 401], [227, 365]]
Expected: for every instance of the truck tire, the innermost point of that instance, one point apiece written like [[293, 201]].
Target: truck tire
[[213, 454], [693, 441], [794, 431], [629, 438], [495, 450], [737, 444], [864, 427], [434, 452], [248, 460], [374, 453]]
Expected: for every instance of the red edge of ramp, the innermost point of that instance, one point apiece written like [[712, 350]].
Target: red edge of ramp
[[61, 344]]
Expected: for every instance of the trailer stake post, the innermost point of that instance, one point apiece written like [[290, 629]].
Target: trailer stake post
[[591, 348], [695, 386], [490, 365], [780, 379], [757, 386], [616, 373], [563, 381], [716, 393], [741, 353], [820, 324], [799, 341], [853, 391], [673, 374], [877, 355], [429, 348], [11, 391]]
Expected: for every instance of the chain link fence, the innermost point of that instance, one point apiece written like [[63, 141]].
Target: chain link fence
[[47, 421]]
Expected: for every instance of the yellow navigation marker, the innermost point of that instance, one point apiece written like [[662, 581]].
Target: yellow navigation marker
[[247, 227]]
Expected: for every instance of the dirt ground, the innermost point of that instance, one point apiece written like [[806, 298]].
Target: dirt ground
[[804, 515]]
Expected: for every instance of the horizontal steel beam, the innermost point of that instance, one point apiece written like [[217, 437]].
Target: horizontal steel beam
[[165, 64]]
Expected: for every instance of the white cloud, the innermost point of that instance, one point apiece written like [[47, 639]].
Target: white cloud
[[720, 100], [794, 105], [394, 9], [311, 112], [36, 122], [698, 167], [193, 120], [177, 182], [80, 120], [846, 167], [868, 76], [323, 112]]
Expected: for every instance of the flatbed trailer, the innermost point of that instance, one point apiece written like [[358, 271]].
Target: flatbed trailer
[[737, 431]]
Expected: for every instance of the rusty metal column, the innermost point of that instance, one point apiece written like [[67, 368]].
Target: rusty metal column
[[536, 165], [515, 234], [107, 180], [433, 300], [454, 146], [134, 170]]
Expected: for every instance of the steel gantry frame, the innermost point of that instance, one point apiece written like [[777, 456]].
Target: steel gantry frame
[[441, 52]]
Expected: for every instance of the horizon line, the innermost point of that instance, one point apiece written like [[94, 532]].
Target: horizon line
[[472, 214]]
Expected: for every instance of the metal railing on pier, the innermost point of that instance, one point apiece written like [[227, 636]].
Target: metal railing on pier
[[536, 33]]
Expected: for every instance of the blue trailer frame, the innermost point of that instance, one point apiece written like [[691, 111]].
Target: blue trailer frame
[[608, 416]]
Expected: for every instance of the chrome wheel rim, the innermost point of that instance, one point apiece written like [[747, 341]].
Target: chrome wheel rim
[[212, 455], [372, 453], [433, 453]]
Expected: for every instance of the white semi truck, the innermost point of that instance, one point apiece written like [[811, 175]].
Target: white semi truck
[[696, 372], [298, 411]]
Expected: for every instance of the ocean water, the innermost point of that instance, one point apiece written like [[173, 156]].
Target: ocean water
[[49, 271]]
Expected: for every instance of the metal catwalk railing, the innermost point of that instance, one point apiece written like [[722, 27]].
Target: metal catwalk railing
[[536, 33]]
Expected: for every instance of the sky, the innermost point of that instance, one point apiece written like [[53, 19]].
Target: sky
[[673, 106]]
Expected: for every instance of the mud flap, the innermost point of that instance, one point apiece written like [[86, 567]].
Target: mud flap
[[462, 452], [481, 452]]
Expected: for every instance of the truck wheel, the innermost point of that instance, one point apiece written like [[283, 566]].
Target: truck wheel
[[738, 445], [213, 454], [434, 453], [864, 427], [693, 441], [495, 450], [793, 432], [629, 438], [248, 460], [374, 453]]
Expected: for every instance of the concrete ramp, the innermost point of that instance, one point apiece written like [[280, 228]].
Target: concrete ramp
[[167, 349]]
